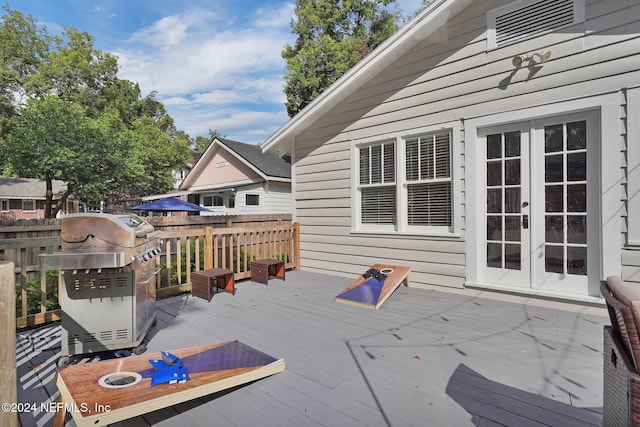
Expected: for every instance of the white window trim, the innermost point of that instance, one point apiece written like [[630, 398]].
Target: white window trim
[[8, 205], [633, 167], [401, 227], [610, 207], [578, 17]]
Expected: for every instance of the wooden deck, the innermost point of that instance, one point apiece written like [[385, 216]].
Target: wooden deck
[[425, 358]]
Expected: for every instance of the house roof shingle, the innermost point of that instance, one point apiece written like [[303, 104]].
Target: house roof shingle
[[28, 188], [269, 163]]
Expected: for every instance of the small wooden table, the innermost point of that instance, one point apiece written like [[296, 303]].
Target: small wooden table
[[203, 282], [262, 269]]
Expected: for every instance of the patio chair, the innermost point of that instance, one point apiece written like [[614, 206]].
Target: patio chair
[[621, 393]]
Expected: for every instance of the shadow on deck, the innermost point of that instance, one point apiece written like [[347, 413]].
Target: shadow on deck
[[425, 358]]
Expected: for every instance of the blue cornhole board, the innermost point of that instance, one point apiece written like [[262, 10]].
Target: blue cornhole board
[[372, 292]]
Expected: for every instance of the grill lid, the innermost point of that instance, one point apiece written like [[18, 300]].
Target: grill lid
[[95, 240]]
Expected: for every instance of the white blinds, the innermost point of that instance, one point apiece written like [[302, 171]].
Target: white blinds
[[378, 205], [428, 174], [377, 176], [424, 190]]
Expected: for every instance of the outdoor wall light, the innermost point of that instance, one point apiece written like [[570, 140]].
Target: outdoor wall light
[[533, 58]]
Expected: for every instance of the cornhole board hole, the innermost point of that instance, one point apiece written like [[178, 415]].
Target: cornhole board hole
[[372, 292], [94, 400]]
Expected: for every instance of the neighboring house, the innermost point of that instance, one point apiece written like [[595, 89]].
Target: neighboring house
[[24, 198], [180, 175], [489, 144], [236, 178]]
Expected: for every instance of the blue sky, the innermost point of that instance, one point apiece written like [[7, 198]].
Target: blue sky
[[215, 64]]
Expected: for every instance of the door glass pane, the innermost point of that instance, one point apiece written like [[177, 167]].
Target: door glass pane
[[512, 256], [494, 174], [553, 138], [577, 166], [554, 195], [577, 260], [553, 259], [566, 199], [577, 135], [512, 202], [577, 198], [553, 169], [577, 229], [494, 255], [494, 146], [494, 200], [554, 229], [504, 201], [512, 172], [512, 228], [512, 144], [494, 227]]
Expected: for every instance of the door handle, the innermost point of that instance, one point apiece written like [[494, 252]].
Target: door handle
[[525, 221]]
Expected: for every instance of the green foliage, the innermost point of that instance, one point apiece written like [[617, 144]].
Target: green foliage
[[65, 115], [34, 294], [332, 36]]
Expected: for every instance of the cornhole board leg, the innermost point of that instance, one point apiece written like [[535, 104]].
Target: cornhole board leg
[[212, 368], [368, 293]]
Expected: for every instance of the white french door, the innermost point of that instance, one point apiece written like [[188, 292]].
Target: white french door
[[539, 202]]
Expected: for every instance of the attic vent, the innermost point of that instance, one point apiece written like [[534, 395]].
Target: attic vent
[[527, 18]]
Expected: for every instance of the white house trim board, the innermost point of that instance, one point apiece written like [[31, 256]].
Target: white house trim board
[[633, 167], [225, 185], [606, 213]]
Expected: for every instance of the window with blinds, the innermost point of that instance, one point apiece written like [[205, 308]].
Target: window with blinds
[[377, 183], [414, 196], [428, 179]]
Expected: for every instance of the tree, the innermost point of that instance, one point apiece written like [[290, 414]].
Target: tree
[[155, 154], [23, 46], [54, 139], [332, 36], [201, 143], [64, 114]]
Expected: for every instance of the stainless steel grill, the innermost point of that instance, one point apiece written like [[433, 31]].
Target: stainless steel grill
[[108, 276]]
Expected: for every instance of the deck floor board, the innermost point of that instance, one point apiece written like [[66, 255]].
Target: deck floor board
[[425, 358]]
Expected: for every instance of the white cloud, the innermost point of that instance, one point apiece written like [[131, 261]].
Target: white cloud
[[198, 64]]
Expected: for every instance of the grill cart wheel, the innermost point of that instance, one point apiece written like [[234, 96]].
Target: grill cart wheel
[[140, 349], [63, 361]]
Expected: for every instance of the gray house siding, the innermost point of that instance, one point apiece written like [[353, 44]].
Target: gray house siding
[[452, 77]]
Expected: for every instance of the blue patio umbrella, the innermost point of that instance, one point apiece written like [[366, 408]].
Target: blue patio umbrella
[[170, 204]]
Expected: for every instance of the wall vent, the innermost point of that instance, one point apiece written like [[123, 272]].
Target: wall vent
[[528, 18]]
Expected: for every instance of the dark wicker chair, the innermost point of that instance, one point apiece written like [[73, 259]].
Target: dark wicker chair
[[621, 393]]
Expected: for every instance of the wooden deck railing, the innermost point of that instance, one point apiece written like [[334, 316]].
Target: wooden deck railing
[[184, 251], [229, 248]]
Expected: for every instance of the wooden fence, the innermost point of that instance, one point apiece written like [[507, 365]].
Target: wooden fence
[[185, 250], [228, 248]]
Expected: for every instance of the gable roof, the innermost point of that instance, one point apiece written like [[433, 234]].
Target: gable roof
[[28, 188], [415, 31], [268, 165]]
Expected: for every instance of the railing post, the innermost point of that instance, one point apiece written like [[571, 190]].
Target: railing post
[[296, 244], [8, 376], [208, 248]]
